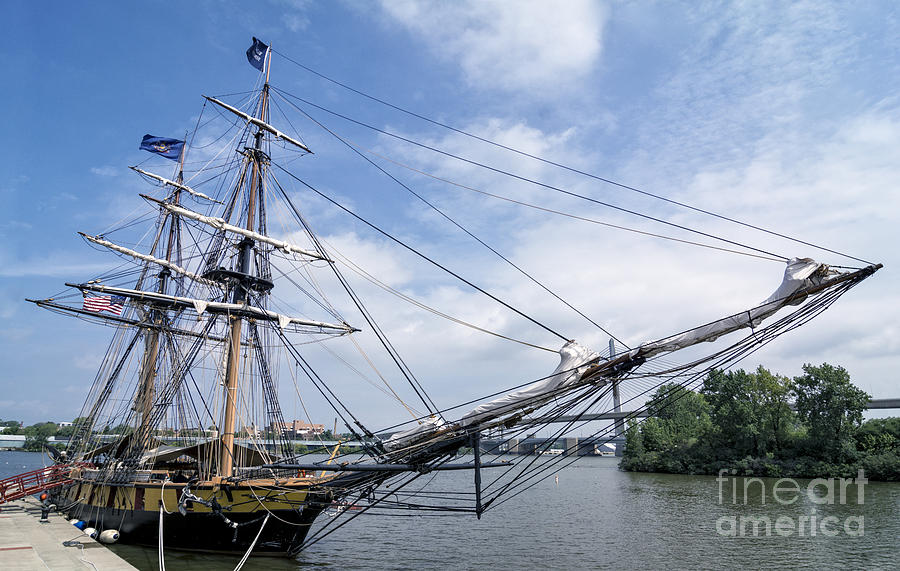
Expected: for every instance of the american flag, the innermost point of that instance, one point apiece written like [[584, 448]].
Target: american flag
[[114, 304]]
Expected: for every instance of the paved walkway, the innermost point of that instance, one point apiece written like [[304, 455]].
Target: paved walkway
[[26, 544]]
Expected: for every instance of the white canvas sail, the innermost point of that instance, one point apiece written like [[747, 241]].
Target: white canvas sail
[[800, 273], [259, 123], [172, 183], [148, 258], [201, 306], [221, 224]]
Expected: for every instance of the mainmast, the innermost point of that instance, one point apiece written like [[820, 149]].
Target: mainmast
[[243, 284]]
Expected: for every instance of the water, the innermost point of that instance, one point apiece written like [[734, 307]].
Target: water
[[598, 517]]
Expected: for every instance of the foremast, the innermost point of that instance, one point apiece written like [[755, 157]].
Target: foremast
[[146, 394]]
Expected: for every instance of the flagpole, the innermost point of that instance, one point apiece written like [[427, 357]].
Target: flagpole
[[268, 63], [179, 177]]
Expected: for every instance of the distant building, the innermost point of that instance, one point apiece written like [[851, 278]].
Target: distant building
[[297, 429], [252, 431], [63, 424], [210, 432]]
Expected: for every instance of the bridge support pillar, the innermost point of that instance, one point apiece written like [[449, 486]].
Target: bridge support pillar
[[618, 424]]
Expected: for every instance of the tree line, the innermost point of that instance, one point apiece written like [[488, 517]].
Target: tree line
[[763, 424]]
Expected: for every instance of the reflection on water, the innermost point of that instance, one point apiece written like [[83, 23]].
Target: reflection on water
[[599, 517]]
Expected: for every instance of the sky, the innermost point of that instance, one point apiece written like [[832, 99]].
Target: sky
[[783, 115]]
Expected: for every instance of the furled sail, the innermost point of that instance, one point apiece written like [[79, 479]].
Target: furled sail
[[219, 307], [574, 360], [116, 320], [416, 434], [172, 183], [148, 258], [800, 273], [259, 123], [221, 224]]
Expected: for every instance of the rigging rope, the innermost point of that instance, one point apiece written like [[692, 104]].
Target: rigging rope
[[560, 213], [253, 544], [565, 167], [421, 255], [726, 357], [160, 551], [361, 272], [382, 338], [455, 223], [533, 181]]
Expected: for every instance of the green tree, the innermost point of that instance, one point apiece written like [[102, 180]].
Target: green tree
[[831, 407], [683, 414], [10, 427], [118, 429], [879, 435], [68, 431], [36, 435], [771, 394], [634, 440], [733, 415], [677, 418], [749, 411]]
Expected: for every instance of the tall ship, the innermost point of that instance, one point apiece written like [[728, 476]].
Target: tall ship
[[224, 291]]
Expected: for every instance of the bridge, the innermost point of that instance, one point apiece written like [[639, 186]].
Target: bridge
[[571, 445], [613, 415], [591, 446]]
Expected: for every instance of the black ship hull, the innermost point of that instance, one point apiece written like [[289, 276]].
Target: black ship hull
[[283, 533]]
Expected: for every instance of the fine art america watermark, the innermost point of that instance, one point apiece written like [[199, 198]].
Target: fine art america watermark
[[785, 492]]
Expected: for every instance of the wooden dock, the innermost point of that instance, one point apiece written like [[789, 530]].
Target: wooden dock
[[26, 544]]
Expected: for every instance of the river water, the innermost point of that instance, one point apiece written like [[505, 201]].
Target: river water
[[598, 517]]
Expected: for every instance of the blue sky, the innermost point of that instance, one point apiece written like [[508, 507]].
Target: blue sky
[[782, 115]]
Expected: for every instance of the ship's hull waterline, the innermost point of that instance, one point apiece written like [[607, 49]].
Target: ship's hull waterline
[[133, 509]]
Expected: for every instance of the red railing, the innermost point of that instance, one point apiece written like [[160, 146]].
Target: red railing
[[21, 485]]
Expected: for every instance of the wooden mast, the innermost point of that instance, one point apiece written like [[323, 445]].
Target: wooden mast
[[226, 458], [146, 391]]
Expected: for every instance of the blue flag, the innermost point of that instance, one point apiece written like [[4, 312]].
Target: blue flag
[[169, 148], [256, 54]]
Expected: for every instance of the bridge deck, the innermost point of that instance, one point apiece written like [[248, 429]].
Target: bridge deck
[[873, 404]]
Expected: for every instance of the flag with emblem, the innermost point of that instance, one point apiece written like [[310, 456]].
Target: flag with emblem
[[114, 304], [256, 54], [169, 148]]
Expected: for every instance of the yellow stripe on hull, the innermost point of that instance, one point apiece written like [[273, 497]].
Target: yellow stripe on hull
[[146, 496]]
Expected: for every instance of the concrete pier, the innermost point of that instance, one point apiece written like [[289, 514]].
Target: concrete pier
[[26, 544]]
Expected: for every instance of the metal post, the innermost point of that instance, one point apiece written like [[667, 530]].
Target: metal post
[[618, 424], [476, 441]]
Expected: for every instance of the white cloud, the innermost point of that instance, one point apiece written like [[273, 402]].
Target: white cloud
[[56, 265], [88, 361], [105, 171], [749, 71], [509, 45], [833, 192], [294, 17]]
